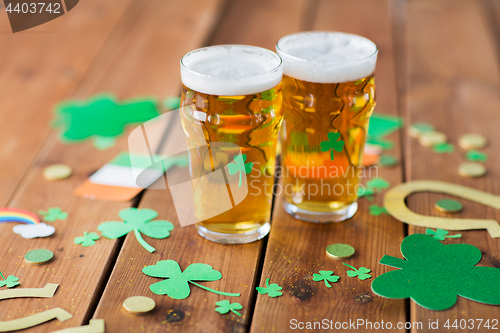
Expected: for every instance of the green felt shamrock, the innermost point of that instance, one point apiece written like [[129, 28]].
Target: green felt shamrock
[[378, 141], [272, 290], [240, 166], [52, 214], [10, 282], [434, 274], [440, 234], [137, 220], [88, 239], [177, 284], [361, 273], [332, 143], [375, 210], [101, 116], [476, 156], [367, 193], [326, 276], [377, 184], [225, 306], [269, 95], [444, 148]]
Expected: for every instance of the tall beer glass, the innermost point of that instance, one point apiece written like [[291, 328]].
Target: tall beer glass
[[236, 94], [328, 98]]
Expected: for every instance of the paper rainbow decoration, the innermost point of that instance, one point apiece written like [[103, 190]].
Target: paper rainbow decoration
[[18, 215]]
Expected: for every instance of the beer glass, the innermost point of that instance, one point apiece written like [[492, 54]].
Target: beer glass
[[328, 98], [235, 96]]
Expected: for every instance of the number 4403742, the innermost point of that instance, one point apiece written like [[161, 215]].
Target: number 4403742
[[34, 8], [472, 324]]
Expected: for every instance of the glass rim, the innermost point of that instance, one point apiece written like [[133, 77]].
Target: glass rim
[[324, 62], [240, 46]]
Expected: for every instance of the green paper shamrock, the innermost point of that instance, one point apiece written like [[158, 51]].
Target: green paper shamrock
[[272, 290], [326, 276], [434, 274], [101, 116], [10, 282], [440, 234], [367, 193], [177, 284], [444, 148], [375, 210], [378, 141], [88, 239], [332, 143], [225, 306], [240, 166], [476, 156], [138, 221], [361, 273], [377, 184], [52, 214], [269, 95]]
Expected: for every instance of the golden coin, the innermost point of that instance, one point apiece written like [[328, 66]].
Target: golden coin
[[471, 170], [415, 130], [139, 304], [339, 251], [38, 257], [430, 139], [57, 171], [472, 141]]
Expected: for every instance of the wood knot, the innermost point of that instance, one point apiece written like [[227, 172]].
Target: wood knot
[[301, 289], [175, 316], [363, 298]]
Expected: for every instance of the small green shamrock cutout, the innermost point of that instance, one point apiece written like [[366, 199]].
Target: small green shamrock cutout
[[434, 275], [52, 214], [375, 210], [10, 282], [476, 156], [332, 143], [272, 290], [88, 239], [177, 284], [444, 148], [361, 273], [138, 221], [367, 193], [225, 306], [240, 166], [326, 276], [269, 95], [377, 184], [440, 234]]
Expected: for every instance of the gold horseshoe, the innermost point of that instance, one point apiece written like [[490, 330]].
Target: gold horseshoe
[[33, 320], [394, 203]]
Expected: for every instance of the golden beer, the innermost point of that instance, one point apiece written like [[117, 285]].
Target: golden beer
[[244, 116], [328, 98]]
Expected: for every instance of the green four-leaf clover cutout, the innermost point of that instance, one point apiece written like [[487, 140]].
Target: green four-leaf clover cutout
[[441, 234], [326, 276], [361, 273], [272, 290], [376, 210], [88, 239], [225, 306], [332, 144], [139, 221], [10, 281], [240, 166], [177, 282], [377, 184], [53, 213]]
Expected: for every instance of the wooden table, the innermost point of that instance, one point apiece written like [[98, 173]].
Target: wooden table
[[438, 63]]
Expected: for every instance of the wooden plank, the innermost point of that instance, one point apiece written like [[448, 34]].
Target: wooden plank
[[453, 83], [82, 278], [40, 67], [296, 250], [237, 263]]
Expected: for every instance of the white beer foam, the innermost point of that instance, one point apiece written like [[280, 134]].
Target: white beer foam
[[327, 57], [231, 70]]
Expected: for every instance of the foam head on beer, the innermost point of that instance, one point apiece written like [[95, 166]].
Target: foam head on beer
[[231, 70], [327, 57]]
